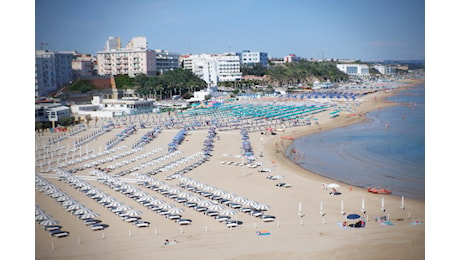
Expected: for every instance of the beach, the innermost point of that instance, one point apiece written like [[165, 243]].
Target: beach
[[308, 222]]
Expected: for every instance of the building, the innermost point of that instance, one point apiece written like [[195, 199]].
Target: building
[[214, 68], [109, 108], [53, 70], [166, 60], [135, 59], [228, 67], [83, 66], [51, 112], [64, 74], [291, 58], [385, 70], [354, 69], [251, 58]]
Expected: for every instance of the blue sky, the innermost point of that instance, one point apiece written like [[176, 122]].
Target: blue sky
[[354, 29]]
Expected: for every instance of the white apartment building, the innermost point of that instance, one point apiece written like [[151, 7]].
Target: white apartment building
[[354, 69], [214, 68], [228, 67], [133, 60], [53, 70], [385, 70], [251, 58]]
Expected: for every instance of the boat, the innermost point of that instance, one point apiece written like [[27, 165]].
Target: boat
[[378, 191]]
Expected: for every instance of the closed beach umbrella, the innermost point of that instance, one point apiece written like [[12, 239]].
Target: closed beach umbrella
[[48, 222]]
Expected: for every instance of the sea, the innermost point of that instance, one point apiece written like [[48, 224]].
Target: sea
[[385, 151]]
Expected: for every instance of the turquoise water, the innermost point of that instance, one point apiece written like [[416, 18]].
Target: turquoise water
[[372, 154]]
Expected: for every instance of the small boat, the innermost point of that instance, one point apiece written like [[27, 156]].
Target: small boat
[[378, 191]]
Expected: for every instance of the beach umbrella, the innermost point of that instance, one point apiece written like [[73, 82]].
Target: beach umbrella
[[230, 196], [48, 222], [75, 206], [353, 216], [42, 217], [209, 188], [262, 206], [167, 206], [205, 203], [251, 203], [89, 215], [219, 192], [82, 211], [174, 190], [277, 177], [228, 212], [402, 203], [124, 207], [133, 212], [216, 207], [115, 203], [194, 199], [176, 210], [240, 199]]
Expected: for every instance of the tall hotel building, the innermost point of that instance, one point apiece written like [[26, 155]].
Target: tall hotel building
[[132, 60], [53, 70], [214, 68]]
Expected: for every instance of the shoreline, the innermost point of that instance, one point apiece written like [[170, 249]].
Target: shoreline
[[368, 107]]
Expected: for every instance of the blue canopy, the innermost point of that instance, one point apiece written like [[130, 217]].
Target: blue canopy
[[353, 216]]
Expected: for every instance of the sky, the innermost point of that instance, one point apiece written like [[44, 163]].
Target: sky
[[313, 29]]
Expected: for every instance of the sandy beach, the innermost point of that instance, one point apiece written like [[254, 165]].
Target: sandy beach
[[293, 234]]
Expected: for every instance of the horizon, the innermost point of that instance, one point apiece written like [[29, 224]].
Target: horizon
[[318, 30]]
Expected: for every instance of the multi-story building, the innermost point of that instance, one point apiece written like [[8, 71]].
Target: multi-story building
[[45, 73], [251, 58], [53, 70], [135, 59], [83, 66], [166, 60], [228, 67], [354, 69], [214, 68], [385, 70]]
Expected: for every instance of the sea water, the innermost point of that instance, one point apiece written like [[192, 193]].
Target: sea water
[[386, 151]]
